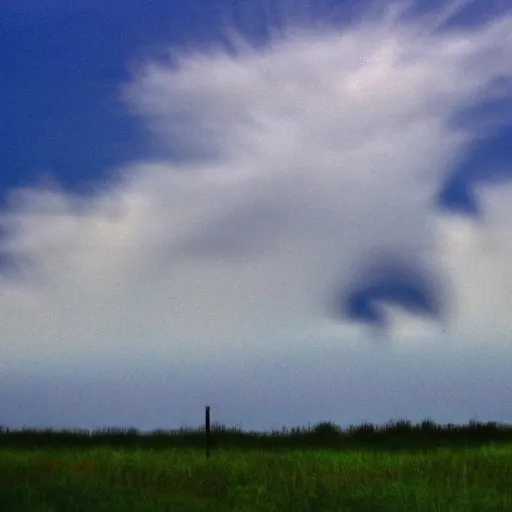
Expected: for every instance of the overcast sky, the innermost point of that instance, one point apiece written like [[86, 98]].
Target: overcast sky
[[290, 211]]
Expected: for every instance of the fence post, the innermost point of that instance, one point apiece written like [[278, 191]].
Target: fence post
[[207, 431]]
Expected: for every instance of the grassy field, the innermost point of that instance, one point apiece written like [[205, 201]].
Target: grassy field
[[79, 472]]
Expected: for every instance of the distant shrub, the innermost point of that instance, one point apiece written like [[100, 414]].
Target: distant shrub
[[428, 425], [326, 430]]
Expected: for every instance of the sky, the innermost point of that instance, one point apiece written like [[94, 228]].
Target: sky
[[290, 211]]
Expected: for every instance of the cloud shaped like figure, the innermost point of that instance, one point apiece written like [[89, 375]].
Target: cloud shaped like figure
[[399, 281]]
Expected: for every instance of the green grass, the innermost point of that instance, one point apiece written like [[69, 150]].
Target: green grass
[[397, 467], [182, 479]]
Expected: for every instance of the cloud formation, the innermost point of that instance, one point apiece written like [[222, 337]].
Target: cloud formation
[[399, 281], [297, 161]]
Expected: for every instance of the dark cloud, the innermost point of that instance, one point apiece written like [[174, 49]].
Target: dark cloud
[[401, 281]]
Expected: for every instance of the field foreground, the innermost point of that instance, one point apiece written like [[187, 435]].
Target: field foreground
[[460, 479]]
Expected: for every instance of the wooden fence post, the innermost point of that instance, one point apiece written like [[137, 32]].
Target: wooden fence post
[[207, 431]]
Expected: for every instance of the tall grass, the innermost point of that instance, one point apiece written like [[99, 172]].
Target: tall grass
[[177, 479], [401, 434], [396, 467]]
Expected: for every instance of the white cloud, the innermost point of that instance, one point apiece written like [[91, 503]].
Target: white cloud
[[315, 150]]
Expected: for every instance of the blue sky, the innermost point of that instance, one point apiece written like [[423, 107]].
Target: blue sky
[[290, 211]]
